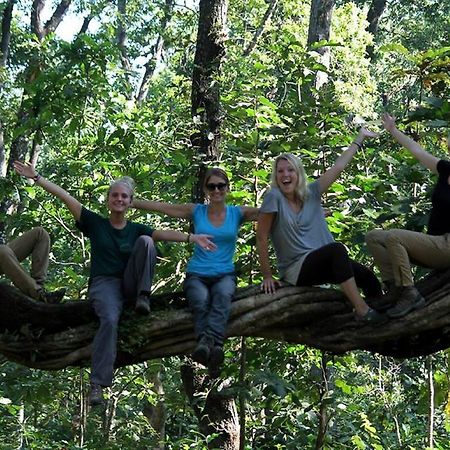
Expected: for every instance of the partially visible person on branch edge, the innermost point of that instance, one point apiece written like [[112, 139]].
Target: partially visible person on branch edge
[[123, 259], [210, 280], [306, 252], [34, 243], [394, 250]]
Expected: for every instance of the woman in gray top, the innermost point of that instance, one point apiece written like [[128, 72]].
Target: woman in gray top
[[307, 255]]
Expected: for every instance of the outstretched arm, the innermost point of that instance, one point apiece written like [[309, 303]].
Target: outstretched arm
[[331, 175], [183, 211], [265, 221], [27, 170], [203, 240], [426, 159]]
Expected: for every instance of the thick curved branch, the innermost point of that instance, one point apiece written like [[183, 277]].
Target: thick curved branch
[[48, 336]]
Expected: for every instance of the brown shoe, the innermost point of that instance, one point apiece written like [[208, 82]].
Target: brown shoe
[[408, 300]]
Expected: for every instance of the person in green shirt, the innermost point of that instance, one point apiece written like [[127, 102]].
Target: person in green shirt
[[123, 258]]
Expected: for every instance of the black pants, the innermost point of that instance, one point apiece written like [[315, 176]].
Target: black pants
[[331, 264]]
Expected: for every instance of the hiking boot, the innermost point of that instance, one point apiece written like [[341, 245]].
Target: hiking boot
[[372, 317], [143, 304], [51, 297], [201, 353], [216, 359], [95, 396], [408, 300]]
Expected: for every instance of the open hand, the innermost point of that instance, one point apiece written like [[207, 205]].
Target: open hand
[[365, 133], [269, 285], [24, 169], [204, 241], [388, 122]]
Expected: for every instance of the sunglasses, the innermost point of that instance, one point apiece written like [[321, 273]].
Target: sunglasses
[[212, 186]]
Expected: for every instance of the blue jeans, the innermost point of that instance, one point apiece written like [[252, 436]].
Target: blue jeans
[[210, 302]]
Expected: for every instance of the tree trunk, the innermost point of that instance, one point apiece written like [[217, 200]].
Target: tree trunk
[[157, 52], [156, 414], [319, 30], [217, 414], [374, 14], [205, 96], [20, 147], [323, 408], [430, 382]]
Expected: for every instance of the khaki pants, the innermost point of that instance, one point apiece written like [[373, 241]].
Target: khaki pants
[[394, 251], [36, 243]]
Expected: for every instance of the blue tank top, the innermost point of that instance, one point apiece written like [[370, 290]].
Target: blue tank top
[[220, 261]]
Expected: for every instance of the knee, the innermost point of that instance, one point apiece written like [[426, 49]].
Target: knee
[[338, 249], [374, 236], [110, 321], [392, 239], [41, 234]]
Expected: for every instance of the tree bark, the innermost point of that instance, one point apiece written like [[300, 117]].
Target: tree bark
[[319, 30], [46, 336], [267, 16], [218, 413], [374, 14], [205, 97], [156, 55], [4, 49]]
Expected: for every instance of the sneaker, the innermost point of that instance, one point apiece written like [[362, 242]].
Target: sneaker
[[51, 297], [95, 396], [201, 353], [372, 316], [143, 304], [216, 359], [409, 299]]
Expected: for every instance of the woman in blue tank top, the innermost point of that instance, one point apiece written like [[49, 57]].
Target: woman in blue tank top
[[210, 280]]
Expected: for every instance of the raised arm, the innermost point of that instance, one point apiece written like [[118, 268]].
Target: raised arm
[[426, 159], [265, 221], [183, 211], [27, 170], [331, 175]]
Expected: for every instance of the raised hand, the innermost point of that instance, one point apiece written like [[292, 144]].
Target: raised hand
[[24, 169], [388, 122]]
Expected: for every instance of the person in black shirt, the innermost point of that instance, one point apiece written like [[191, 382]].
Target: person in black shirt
[[394, 250]]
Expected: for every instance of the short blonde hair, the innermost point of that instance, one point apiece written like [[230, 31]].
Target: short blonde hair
[[128, 182], [301, 190]]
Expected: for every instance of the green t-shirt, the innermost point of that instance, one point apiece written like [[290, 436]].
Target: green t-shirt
[[110, 248]]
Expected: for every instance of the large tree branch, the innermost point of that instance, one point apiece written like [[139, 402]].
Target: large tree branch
[[55, 336], [57, 17], [267, 16]]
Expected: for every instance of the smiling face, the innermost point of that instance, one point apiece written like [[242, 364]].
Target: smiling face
[[119, 198], [216, 189], [287, 177]]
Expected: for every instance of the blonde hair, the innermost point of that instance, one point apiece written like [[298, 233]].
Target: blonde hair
[[301, 190], [128, 182]]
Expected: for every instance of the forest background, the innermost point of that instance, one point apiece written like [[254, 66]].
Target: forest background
[[124, 95]]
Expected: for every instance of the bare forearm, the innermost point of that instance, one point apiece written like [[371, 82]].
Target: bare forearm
[[172, 210]]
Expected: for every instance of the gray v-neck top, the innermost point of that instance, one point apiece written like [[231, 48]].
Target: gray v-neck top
[[295, 235]]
